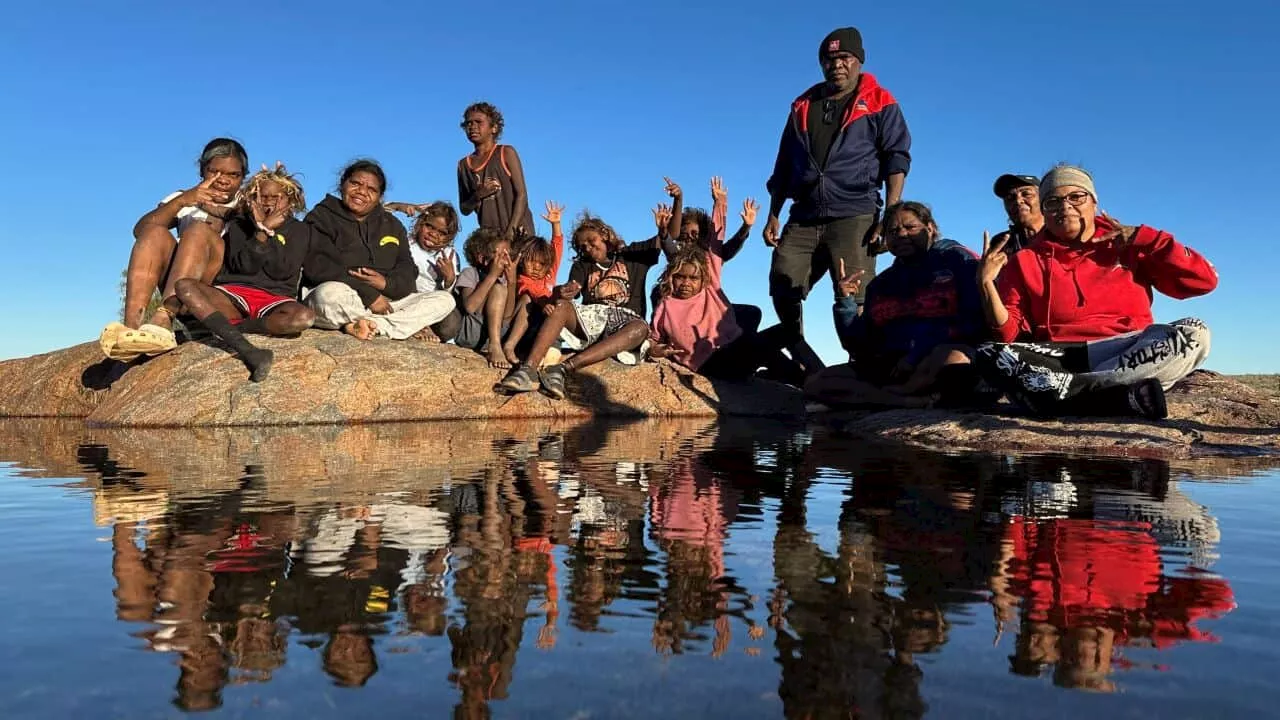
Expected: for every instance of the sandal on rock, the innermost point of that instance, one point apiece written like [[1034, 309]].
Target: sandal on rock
[[158, 339], [552, 379], [109, 341], [520, 380], [119, 342]]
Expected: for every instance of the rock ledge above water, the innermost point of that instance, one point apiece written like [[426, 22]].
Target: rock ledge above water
[[329, 378], [326, 377]]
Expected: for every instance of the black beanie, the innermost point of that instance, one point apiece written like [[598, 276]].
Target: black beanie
[[847, 40]]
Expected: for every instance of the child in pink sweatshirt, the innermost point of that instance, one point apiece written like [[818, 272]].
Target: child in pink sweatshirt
[[694, 322]]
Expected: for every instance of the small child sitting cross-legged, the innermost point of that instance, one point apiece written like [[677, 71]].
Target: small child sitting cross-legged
[[539, 263], [696, 325], [431, 246], [610, 276], [486, 296]]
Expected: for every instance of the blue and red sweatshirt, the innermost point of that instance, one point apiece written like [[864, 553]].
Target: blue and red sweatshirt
[[873, 143], [915, 305]]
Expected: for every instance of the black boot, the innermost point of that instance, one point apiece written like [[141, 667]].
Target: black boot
[[258, 359], [1144, 399]]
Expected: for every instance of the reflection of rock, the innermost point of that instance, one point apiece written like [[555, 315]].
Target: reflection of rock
[[326, 377], [135, 471], [1209, 415]]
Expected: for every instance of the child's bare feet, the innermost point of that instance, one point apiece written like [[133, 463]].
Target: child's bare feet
[[510, 352], [497, 358], [362, 329], [426, 334]]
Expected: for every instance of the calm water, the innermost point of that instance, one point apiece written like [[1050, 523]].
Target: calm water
[[675, 569]]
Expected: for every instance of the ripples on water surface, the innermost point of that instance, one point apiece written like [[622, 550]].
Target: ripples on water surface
[[674, 569]]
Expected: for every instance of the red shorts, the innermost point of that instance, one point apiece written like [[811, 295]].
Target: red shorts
[[254, 302]]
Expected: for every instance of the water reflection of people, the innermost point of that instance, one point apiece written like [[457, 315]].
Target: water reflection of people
[[830, 616], [688, 517], [204, 580], [1089, 584], [552, 530]]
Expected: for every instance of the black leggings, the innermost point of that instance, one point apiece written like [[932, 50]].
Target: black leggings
[[740, 359]]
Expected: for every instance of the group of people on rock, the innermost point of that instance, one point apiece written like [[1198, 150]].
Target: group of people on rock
[[1055, 313]]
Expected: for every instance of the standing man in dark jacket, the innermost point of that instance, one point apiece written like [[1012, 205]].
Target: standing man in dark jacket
[[844, 138]]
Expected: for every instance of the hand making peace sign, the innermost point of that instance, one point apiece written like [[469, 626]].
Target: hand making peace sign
[[993, 259]]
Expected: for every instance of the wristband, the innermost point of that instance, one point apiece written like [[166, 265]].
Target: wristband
[[270, 233]]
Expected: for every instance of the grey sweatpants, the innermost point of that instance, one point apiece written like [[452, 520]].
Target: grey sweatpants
[[1044, 376], [337, 304]]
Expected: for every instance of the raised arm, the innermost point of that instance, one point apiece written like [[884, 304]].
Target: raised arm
[[166, 215], [1166, 264], [851, 326], [677, 208], [719, 206], [553, 215], [1003, 319], [734, 244]]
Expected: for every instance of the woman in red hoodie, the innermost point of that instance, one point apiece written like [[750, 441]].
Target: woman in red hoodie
[[1079, 301]]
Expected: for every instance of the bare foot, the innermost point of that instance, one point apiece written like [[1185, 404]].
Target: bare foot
[[497, 358], [426, 334], [510, 352], [161, 318], [362, 329]]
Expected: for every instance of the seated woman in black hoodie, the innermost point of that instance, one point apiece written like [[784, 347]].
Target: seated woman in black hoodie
[[360, 270], [257, 288]]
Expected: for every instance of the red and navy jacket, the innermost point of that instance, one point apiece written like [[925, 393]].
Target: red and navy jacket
[[872, 144], [914, 306]]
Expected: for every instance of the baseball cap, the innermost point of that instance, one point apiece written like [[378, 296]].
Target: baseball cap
[[1007, 182]]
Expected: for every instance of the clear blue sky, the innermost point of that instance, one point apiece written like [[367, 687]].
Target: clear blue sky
[[104, 107]]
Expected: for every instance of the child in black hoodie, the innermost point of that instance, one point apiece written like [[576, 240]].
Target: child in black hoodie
[[360, 269], [257, 288]]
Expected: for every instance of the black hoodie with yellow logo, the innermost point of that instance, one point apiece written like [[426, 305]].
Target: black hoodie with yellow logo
[[274, 265], [343, 243]]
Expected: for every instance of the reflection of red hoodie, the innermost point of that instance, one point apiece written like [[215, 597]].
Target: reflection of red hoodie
[[1107, 573], [1071, 292], [1082, 570], [1184, 601]]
